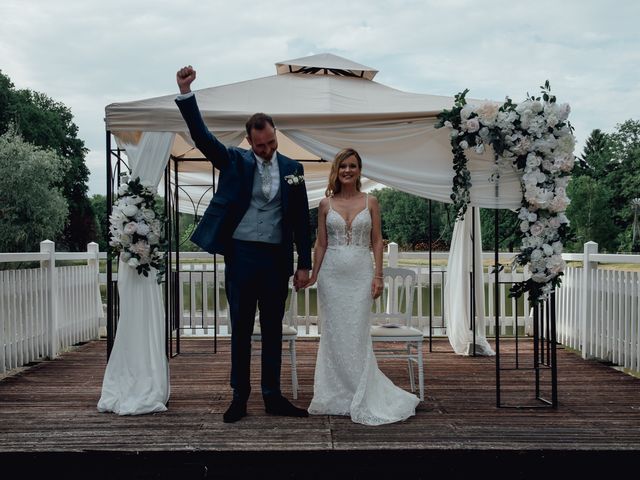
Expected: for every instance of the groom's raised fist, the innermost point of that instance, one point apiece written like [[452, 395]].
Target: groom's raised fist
[[184, 77]]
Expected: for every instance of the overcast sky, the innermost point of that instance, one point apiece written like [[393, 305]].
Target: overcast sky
[[89, 53]]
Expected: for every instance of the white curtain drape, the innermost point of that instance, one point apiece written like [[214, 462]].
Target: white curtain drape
[[136, 379], [458, 288]]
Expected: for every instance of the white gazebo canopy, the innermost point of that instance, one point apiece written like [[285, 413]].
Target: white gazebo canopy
[[320, 104]]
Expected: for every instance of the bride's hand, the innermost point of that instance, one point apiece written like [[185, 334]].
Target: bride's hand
[[312, 279], [376, 287]]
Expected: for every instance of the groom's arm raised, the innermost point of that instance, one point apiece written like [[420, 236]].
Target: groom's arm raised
[[209, 145]]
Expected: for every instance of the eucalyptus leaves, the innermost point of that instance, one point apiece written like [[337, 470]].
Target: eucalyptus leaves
[[535, 138]]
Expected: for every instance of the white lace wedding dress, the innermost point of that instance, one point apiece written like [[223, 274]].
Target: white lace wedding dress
[[347, 379]]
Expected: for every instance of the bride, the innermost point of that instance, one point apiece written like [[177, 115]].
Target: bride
[[347, 379]]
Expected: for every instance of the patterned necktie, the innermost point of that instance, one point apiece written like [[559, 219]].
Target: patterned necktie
[[266, 179]]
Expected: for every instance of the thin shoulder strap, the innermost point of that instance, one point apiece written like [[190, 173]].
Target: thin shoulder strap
[[366, 200]]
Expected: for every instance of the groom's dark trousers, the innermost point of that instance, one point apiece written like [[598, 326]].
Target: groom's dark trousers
[[255, 275]]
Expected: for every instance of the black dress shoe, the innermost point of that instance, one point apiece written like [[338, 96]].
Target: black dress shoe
[[278, 405], [235, 412]]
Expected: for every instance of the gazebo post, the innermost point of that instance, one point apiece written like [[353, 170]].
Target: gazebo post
[[110, 321]]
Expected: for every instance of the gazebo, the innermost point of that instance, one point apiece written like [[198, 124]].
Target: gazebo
[[320, 104]]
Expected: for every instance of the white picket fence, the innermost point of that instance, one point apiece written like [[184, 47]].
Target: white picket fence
[[598, 309], [201, 285], [47, 309]]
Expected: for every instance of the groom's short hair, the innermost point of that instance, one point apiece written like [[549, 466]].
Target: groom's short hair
[[258, 121]]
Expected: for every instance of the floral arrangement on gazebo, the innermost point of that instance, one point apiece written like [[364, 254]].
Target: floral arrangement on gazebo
[[137, 228], [535, 138]]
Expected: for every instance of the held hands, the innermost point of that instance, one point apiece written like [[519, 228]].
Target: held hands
[[300, 279], [312, 279], [184, 77], [376, 287]]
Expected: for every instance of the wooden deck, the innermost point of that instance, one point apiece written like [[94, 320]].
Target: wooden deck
[[49, 423]]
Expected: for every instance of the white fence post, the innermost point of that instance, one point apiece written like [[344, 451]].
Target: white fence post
[[392, 250], [47, 246], [94, 263], [588, 266]]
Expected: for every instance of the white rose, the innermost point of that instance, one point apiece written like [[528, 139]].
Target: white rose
[[555, 264], [133, 262], [524, 226], [487, 112], [473, 125], [125, 256], [536, 229], [153, 239], [547, 249], [554, 222], [464, 144], [466, 111], [557, 247], [130, 210], [143, 229], [539, 277], [480, 149], [448, 124], [122, 189], [536, 255], [148, 214], [532, 217], [130, 228]]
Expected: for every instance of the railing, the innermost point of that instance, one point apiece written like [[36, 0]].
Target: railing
[[47, 309], [44, 310], [199, 290], [599, 308]]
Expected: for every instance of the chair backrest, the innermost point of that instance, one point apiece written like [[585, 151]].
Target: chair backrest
[[395, 305]]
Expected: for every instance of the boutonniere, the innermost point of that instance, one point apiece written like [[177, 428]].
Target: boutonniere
[[294, 179]]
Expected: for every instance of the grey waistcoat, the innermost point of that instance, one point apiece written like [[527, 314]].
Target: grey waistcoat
[[263, 220]]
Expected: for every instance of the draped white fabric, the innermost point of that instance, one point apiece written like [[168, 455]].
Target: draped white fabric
[[136, 379], [458, 287]]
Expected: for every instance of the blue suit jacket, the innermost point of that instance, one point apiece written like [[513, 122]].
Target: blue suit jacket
[[233, 194]]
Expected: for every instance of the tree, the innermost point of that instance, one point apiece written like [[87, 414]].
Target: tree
[[99, 207], [590, 214], [509, 234], [623, 179], [30, 211], [49, 124], [596, 156], [405, 219]]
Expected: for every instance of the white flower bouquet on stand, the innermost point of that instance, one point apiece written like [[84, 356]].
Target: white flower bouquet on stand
[[535, 138], [136, 228]]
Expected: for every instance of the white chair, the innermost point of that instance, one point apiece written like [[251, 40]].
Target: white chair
[[289, 335], [391, 323]]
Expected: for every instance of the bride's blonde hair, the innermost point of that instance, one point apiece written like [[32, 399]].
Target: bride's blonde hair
[[334, 185]]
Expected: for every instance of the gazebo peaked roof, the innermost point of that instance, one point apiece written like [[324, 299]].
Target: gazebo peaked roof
[[326, 64]]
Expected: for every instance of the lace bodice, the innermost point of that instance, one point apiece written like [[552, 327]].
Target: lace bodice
[[358, 233]]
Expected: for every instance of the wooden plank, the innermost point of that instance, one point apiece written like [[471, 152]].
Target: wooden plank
[[51, 407]]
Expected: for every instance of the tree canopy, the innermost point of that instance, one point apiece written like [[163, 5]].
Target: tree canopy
[[46, 123], [30, 211]]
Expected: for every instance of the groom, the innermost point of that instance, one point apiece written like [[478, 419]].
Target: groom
[[254, 219]]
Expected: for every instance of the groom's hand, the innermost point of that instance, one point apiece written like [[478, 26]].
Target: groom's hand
[[184, 77], [300, 279]]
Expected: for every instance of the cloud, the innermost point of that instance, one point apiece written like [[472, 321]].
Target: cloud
[[89, 53]]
